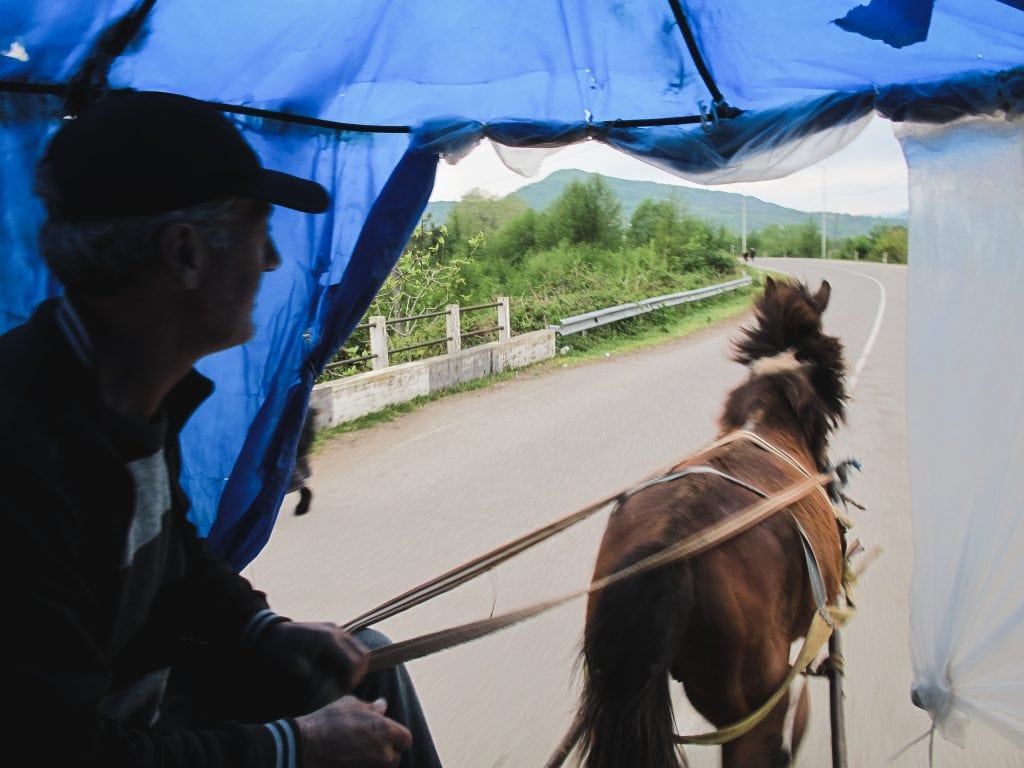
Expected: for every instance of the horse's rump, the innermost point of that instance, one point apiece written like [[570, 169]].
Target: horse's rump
[[691, 619]]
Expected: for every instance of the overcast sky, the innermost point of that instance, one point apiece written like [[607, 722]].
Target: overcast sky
[[868, 177]]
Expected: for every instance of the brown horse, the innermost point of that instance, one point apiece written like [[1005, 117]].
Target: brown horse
[[722, 622]]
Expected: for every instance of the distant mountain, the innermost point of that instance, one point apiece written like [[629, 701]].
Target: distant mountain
[[901, 216], [439, 210], [717, 208]]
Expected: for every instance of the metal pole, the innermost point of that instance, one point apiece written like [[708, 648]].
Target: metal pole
[[743, 226], [835, 685], [824, 222]]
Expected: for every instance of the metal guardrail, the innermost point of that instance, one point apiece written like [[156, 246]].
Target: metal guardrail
[[598, 317]]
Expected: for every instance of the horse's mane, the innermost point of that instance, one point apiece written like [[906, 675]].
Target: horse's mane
[[787, 319]]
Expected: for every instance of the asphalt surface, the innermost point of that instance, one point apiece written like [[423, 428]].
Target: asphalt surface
[[407, 500]]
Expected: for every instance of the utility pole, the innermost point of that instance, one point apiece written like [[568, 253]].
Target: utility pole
[[743, 226], [824, 220]]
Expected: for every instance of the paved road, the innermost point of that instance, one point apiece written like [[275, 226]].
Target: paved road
[[405, 501]]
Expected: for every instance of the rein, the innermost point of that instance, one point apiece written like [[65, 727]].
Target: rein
[[424, 645], [470, 570], [416, 648]]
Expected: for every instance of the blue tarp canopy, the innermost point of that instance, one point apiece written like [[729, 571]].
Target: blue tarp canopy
[[366, 96]]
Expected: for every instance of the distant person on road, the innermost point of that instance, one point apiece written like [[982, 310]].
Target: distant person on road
[[128, 642]]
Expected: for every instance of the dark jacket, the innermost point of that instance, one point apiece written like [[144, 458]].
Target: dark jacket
[[75, 632]]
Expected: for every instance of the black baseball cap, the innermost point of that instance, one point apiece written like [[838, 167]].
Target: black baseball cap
[[133, 153]]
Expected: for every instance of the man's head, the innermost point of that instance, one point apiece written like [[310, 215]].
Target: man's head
[[146, 185], [142, 153]]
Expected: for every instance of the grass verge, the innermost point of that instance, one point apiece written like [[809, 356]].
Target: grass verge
[[630, 335]]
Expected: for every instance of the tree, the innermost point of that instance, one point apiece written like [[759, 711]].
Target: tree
[[685, 242], [651, 221], [479, 213], [808, 242], [429, 238], [890, 244], [421, 281], [790, 240], [856, 247], [585, 212], [510, 244]]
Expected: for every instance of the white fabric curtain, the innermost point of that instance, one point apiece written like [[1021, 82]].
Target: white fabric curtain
[[779, 160], [965, 395]]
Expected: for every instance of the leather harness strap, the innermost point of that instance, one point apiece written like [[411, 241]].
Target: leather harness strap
[[693, 471], [753, 437], [470, 570]]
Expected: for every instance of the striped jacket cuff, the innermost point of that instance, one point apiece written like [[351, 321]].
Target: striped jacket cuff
[[286, 742], [258, 625]]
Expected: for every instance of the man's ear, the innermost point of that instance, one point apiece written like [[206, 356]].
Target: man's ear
[[182, 253]]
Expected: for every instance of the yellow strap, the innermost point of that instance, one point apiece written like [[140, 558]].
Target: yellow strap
[[816, 637]]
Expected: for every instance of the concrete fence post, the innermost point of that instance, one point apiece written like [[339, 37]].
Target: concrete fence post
[[379, 342], [453, 329], [504, 319]]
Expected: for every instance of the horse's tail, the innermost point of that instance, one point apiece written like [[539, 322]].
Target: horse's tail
[[633, 631]]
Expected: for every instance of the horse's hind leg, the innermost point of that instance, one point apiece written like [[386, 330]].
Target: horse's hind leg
[[769, 744], [764, 746]]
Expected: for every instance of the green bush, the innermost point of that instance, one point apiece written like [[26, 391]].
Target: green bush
[[575, 257]]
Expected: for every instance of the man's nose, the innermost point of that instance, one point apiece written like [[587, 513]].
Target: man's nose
[[271, 256]]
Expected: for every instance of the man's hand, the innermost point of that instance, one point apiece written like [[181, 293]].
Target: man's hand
[[318, 661], [350, 733]]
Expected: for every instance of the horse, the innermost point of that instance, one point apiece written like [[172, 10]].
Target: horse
[[722, 622]]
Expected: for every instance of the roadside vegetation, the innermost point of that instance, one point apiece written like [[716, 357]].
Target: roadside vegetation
[[645, 331], [885, 243], [577, 256]]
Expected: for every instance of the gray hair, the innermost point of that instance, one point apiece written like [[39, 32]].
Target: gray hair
[[103, 257]]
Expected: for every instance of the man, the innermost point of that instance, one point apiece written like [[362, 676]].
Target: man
[[127, 642]]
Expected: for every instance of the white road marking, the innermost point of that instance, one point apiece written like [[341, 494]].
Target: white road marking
[[875, 328], [421, 435]]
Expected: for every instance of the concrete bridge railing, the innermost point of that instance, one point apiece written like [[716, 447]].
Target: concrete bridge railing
[[349, 398]]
